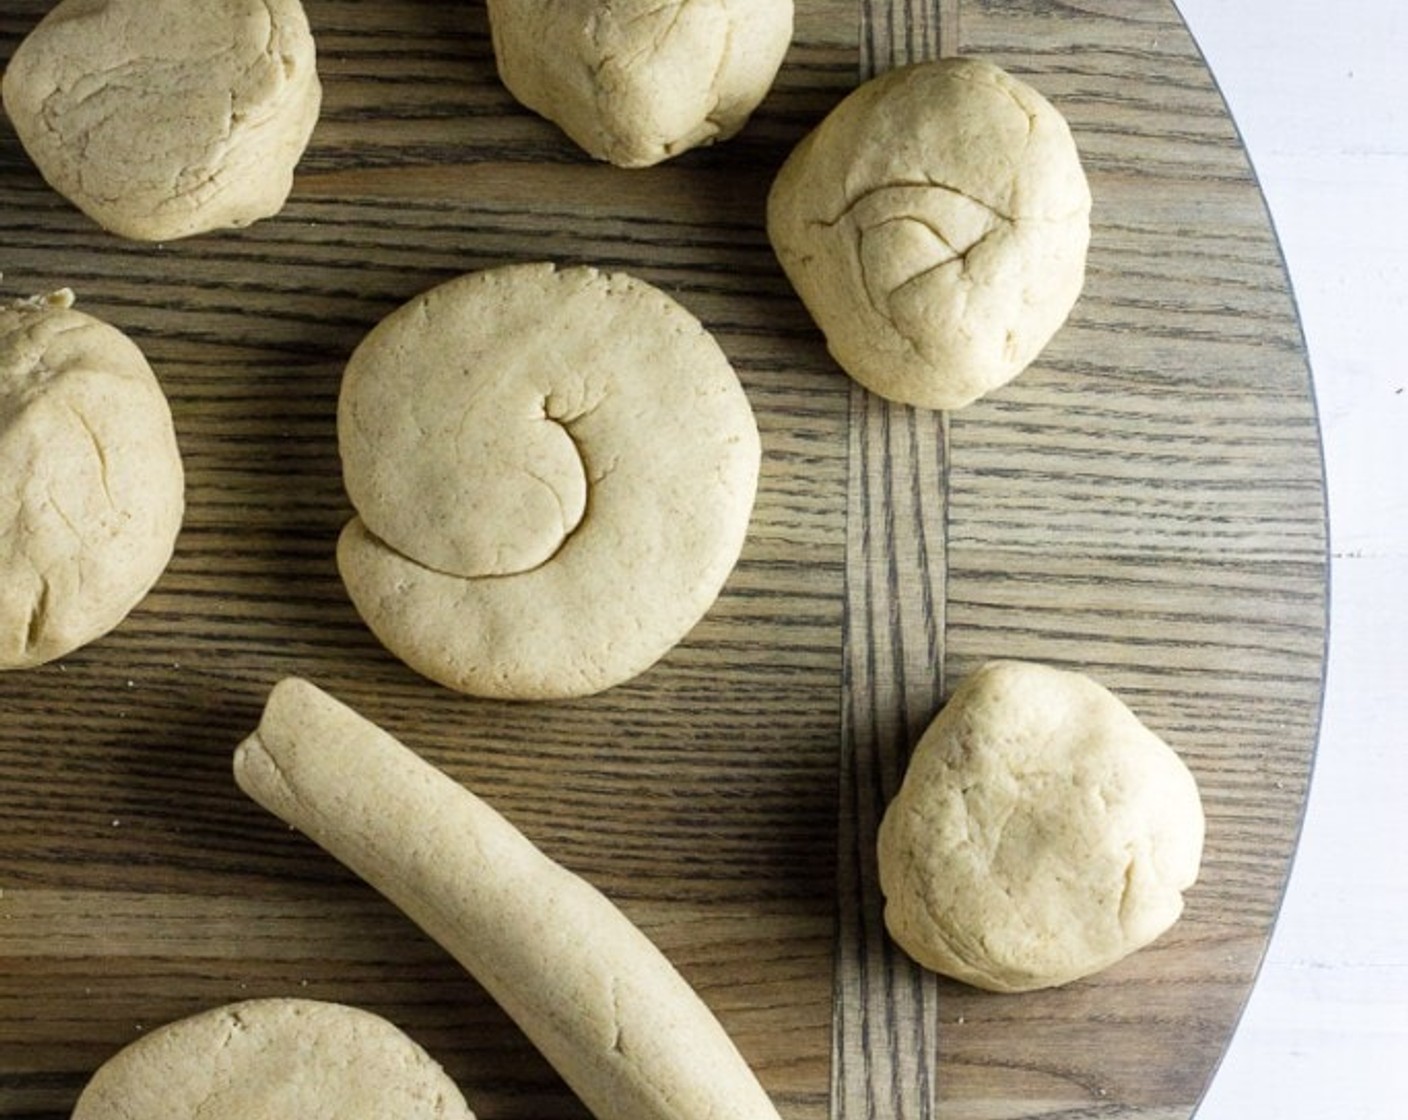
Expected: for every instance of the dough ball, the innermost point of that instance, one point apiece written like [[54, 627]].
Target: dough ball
[[553, 472], [287, 1058], [160, 119], [94, 489], [935, 224], [1041, 833], [635, 82]]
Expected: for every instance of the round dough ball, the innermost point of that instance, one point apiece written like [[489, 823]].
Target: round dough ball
[[287, 1058], [94, 490], [635, 82], [1041, 834], [553, 472], [160, 119], [935, 224]]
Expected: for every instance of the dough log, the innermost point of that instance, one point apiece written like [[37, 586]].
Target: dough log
[[601, 1002]]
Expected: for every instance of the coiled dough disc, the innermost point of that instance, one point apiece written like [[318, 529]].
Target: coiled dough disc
[[553, 472], [286, 1058]]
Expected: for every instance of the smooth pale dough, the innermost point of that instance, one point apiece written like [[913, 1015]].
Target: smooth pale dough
[[161, 119], [935, 224], [553, 472], [597, 998], [290, 1059], [1041, 834], [634, 82], [94, 490]]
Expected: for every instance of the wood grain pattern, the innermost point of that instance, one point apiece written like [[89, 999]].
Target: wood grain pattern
[[884, 1050], [1144, 503]]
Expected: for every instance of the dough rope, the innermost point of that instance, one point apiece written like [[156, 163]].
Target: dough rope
[[588, 988]]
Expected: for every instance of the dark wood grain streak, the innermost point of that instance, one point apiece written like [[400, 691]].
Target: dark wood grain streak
[[885, 1011], [884, 1048]]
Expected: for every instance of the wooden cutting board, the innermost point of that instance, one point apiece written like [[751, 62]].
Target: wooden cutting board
[[1145, 504]]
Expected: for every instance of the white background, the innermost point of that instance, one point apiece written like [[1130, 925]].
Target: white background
[[1320, 93]]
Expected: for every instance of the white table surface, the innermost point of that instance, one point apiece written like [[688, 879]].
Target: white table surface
[[1320, 93]]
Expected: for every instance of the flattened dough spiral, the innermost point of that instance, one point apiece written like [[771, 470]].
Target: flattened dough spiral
[[162, 119], [94, 488], [290, 1058], [935, 224], [553, 472], [635, 82]]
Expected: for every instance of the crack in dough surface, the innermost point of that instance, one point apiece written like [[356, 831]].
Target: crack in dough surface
[[935, 225], [553, 472]]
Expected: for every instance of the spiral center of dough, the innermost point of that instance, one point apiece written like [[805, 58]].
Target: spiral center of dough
[[486, 479]]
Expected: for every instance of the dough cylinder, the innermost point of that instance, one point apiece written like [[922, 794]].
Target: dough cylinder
[[593, 993]]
